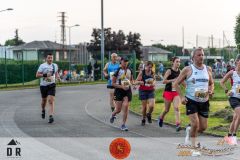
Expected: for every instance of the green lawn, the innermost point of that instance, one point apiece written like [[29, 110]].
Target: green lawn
[[218, 102]]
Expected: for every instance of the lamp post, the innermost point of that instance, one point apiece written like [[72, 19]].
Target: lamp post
[[102, 40], [69, 27]]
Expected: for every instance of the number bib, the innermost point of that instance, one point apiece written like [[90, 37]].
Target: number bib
[[201, 94], [126, 82], [111, 75], [149, 81], [238, 89]]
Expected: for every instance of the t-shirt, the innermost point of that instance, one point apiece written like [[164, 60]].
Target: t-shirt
[[123, 76], [45, 68]]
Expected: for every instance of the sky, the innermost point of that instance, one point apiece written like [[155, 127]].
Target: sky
[[156, 20]]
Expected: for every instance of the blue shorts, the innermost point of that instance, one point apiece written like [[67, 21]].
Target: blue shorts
[[145, 95]]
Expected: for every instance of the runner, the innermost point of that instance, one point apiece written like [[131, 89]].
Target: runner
[[170, 95], [234, 100], [48, 72], [146, 80], [122, 80], [108, 71], [200, 86]]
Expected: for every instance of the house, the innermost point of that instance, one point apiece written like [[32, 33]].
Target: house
[[151, 53], [6, 52], [37, 50]]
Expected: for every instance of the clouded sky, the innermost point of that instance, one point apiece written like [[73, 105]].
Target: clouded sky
[[155, 20]]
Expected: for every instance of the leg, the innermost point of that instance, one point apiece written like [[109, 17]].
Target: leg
[[194, 127], [151, 104], [125, 106], [237, 121], [144, 108], [176, 104], [231, 128], [166, 109], [43, 103], [51, 102], [203, 122], [111, 93], [118, 108]]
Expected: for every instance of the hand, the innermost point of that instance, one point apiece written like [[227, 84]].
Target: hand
[[184, 100], [141, 83], [210, 92], [230, 93], [125, 88], [106, 76]]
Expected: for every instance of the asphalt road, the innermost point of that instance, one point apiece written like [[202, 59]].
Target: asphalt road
[[81, 129]]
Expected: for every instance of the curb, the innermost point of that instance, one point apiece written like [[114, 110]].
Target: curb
[[172, 125]]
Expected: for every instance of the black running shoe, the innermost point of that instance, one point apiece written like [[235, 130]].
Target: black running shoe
[[178, 128], [43, 114], [143, 122], [149, 118], [51, 120]]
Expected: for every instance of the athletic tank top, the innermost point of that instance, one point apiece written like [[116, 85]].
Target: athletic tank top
[[197, 84], [236, 85], [112, 68], [173, 75], [147, 79]]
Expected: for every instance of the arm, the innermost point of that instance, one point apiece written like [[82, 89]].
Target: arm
[[179, 80], [114, 84], [211, 82], [40, 74], [225, 79], [105, 70], [139, 79], [165, 81]]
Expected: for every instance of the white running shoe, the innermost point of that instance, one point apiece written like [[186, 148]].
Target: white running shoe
[[234, 139], [187, 138], [196, 153]]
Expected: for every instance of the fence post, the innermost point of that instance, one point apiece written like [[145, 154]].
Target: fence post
[[6, 67], [22, 69]]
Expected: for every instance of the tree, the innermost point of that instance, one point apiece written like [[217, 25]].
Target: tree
[[237, 31], [114, 41], [15, 41], [134, 43]]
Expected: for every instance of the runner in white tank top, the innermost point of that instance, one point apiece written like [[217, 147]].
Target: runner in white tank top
[[200, 87], [234, 100]]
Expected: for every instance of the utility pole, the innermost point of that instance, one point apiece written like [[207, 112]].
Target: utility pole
[[63, 30], [102, 39]]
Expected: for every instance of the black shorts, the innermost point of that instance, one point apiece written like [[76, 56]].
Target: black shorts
[[234, 102], [48, 90], [145, 95], [119, 94], [202, 108]]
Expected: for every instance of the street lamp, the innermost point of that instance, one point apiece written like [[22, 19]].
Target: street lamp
[[102, 40], [8, 9], [69, 27]]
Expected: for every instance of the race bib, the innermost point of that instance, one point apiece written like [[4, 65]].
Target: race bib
[[126, 82], [111, 75], [238, 89], [49, 79], [201, 94]]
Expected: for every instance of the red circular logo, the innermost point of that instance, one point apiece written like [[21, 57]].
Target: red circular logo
[[120, 148]]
